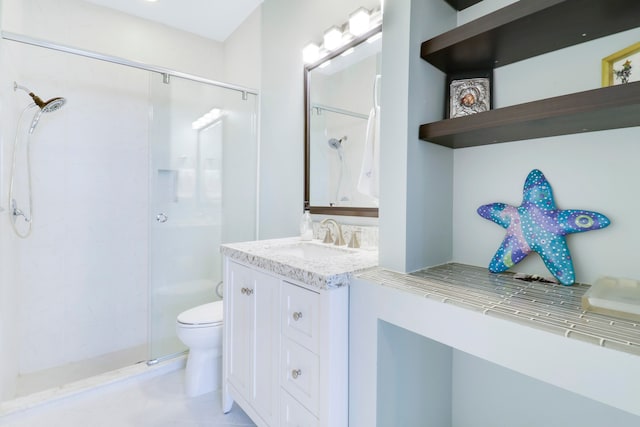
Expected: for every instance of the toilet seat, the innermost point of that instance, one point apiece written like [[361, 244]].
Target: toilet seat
[[202, 316]]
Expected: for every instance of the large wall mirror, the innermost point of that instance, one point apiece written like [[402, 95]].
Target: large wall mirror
[[342, 126]]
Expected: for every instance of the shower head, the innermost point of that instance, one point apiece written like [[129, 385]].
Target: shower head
[[49, 106], [335, 143]]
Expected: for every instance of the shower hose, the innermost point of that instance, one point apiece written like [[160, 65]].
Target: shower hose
[[14, 211]]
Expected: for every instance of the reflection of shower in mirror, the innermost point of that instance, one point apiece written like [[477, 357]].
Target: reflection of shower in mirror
[[344, 178], [336, 144]]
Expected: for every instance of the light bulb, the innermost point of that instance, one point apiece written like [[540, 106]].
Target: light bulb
[[332, 38], [359, 21], [310, 53]]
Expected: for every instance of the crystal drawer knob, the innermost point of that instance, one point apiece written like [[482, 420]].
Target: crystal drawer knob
[[297, 315], [246, 291], [296, 373]]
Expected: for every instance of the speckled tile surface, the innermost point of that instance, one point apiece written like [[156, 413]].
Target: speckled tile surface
[[333, 266]]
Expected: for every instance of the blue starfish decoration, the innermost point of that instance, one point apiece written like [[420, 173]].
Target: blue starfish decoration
[[538, 226]]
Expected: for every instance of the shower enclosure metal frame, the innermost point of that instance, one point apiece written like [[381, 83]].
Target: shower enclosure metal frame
[[166, 74]]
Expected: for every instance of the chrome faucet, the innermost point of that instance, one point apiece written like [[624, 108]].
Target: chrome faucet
[[339, 241]]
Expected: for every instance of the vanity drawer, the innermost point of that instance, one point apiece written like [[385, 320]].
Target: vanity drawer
[[293, 414], [299, 374], [300, 309]]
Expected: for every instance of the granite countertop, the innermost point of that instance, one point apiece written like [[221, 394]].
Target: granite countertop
[[287, 258]]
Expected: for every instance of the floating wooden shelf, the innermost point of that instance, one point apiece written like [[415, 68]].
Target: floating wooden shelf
[[519, 31], [599, 109], [462, 4], [525, 29]]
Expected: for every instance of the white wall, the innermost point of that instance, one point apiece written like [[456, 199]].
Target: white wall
[[415, 177], [485, 395], [242, 54], [287, 26], [242, 64], [78, 287]]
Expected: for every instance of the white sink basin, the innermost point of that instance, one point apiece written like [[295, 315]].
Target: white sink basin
[[308, 251]]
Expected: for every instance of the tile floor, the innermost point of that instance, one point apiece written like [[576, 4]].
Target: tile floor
[[153, 402]]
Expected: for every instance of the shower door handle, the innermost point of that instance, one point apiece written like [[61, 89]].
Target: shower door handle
[[162, 218]]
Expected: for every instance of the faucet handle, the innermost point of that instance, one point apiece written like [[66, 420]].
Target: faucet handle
[[327, 236], [353, 241]]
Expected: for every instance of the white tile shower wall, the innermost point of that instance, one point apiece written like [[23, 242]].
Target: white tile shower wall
[[82, 273]]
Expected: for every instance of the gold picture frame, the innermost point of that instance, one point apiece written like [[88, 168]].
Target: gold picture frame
[[622, 67]]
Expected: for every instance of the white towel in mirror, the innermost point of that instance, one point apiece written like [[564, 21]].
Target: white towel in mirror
[[368, 181]]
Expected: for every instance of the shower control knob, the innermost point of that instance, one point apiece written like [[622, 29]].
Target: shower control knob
[[162, 218]]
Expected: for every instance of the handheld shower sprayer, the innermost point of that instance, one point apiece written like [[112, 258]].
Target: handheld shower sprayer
[[26, 213]]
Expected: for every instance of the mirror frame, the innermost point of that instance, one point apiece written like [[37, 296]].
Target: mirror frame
[[328, 210]]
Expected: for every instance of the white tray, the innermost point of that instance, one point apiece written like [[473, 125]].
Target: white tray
[[614, 296]]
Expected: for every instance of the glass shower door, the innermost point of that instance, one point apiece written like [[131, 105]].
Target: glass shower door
[[203, 190]]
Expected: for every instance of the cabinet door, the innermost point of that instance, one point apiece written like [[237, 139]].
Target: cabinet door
[[267, 333], [239, 326]]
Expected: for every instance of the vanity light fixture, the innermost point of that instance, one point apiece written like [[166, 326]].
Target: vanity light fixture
[[311, 53], [207, 119], [332, 38], [359, 21]]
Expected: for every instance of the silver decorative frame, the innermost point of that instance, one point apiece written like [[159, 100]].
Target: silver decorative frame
[[469, 96]]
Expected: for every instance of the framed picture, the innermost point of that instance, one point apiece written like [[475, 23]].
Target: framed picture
[[468, 93], [622, 67]]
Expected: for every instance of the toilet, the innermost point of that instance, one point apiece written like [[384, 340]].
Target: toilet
[[200, 329]]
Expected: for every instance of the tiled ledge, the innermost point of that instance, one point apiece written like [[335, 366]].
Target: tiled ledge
[[550, 307]]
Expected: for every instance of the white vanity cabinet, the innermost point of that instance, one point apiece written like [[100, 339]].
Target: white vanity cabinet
[[251, 342], [285, 349]]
